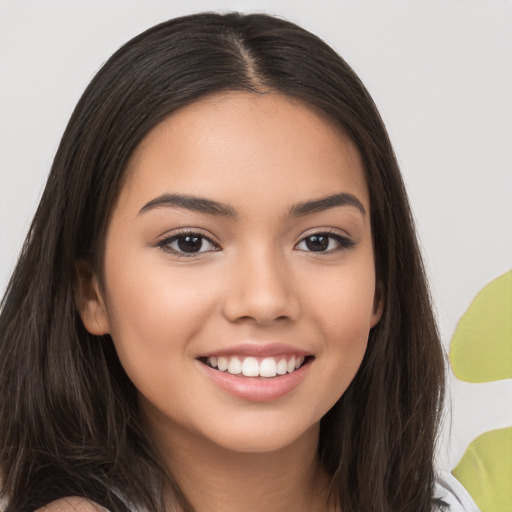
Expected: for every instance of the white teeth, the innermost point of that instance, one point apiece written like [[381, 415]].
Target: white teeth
[[235, 366], [250, 367], [282, 366], [223, 364], [268, 367]]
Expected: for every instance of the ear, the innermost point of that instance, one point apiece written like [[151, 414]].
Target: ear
[[89, 299], [378, 305]]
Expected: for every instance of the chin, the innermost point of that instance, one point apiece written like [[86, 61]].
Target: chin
[[265, 438]]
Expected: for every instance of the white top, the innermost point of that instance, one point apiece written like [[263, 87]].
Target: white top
[[451, 491]]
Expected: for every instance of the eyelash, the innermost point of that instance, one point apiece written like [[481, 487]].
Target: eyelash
[[165, 243], [343, 243]]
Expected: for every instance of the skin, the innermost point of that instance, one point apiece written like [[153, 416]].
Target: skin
[[258, 282], [72, 504]]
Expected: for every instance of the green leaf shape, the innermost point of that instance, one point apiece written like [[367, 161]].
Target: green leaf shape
[[481, 348], [485, 470]]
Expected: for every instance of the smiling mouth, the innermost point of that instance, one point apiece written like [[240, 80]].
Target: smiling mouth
[[268, 367]]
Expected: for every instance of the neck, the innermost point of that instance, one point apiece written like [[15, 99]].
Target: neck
[[216, 479]]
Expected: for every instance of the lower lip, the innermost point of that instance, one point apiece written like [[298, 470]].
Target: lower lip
[[256, 389]]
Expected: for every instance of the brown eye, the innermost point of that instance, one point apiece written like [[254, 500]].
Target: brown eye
[[187, 244], [324, 242], [317, 243]]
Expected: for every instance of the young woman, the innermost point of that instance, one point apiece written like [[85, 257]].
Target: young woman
[[221, 304]]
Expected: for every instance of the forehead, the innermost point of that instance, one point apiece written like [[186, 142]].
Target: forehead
[[243, 146]]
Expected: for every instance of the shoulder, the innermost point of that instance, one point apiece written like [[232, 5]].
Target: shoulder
[[450, 491], [72, 504]]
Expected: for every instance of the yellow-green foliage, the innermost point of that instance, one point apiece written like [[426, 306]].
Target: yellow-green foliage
[[485, 470], [481, 351], [481, 348]]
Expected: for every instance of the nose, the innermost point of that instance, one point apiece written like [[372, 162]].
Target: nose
[[261, 289]]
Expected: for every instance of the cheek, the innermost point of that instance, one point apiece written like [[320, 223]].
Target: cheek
[[345, 305], [343, 314], [155, 315], [155, 310]]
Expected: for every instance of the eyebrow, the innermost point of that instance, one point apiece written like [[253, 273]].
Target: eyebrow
[[194, 203], [325, 203], [211, 207]]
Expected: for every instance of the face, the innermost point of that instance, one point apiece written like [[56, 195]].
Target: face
[[239, 283]]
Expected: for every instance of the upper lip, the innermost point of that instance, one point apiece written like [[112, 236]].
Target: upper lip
[[257, 350]]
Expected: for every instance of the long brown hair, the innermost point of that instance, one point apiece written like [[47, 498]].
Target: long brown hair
[[68, 412]]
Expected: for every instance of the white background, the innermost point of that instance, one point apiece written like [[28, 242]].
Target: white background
[[440, 72]]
